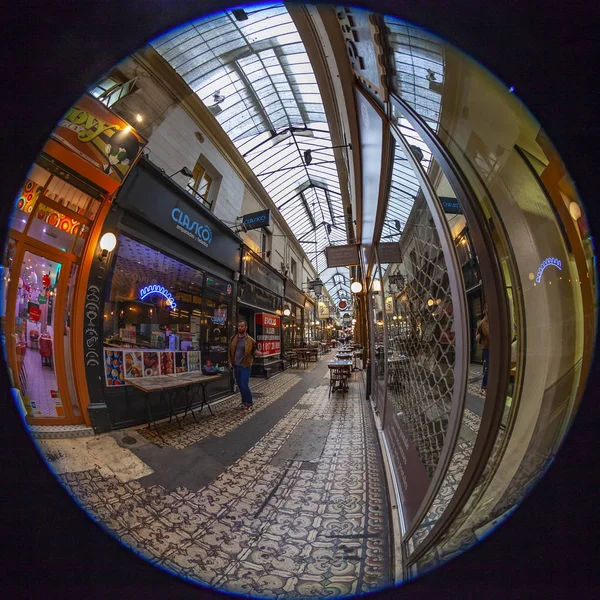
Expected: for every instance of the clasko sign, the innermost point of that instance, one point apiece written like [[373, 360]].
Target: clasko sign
[[158, 289], [268, 340], [257, 220], [197, 231]]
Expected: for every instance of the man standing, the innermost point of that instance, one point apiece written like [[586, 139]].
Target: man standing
[[241, 356], [483, 338]]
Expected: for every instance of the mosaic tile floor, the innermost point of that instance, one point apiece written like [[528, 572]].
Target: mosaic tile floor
[[267, 526], [226, 418], [475, 377]]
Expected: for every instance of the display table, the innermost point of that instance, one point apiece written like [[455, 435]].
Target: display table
[[340, 365], [167, 387]]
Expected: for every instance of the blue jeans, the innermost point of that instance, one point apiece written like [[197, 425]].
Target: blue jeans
[[486, 364], [242, 378]]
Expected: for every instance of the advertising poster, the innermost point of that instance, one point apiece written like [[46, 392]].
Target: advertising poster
[[268, 334], [193, 360], [151, 364], [167, 363], [100, 137], [133, 364], [114, 373], [181, 362]]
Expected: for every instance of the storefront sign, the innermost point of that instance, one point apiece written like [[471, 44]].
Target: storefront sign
[[323, 311], [389, 252], [199, 232], [256, 220], [98, 136], [342, 256], [451, 206], [268, 335], [342, 304], [34, 313], [256, 296], [42, 299], [293, 294], [151, 196], [150, 290], [389, 306]]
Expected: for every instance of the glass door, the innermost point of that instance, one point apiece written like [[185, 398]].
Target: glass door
[[39, 336]]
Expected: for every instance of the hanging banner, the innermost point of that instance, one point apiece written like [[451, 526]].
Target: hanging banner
[[323, 311], [268, 334]]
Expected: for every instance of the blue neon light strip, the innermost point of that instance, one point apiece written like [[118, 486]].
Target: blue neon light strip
[[550, 261], [158, 289]]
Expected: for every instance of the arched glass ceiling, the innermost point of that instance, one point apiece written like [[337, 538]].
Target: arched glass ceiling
[[251, 70], [419, 69]]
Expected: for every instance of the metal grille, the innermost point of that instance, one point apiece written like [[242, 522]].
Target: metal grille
[[421, 337]]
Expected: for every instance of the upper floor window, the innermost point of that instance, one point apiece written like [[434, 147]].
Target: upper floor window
[[293, 270], [109, 90], [202, 184]]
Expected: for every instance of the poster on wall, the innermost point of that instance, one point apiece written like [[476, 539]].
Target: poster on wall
[[268, 334], [167, 363], [323, 311], [114, 373], [193, 358], [181, 362], [151, 365], [133, 364]]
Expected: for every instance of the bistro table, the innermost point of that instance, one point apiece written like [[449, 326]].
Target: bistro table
[[341, 364], [168, 386]]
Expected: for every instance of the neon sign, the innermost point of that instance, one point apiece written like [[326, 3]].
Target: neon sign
[[158, 289], [546, 263]]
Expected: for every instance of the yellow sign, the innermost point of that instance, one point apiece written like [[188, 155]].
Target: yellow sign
[[323, 310], [389, 306]]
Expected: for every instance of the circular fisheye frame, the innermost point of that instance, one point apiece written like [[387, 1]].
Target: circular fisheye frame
[[298, 301]]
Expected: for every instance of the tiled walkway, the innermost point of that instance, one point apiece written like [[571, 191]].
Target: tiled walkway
[[302, 513]]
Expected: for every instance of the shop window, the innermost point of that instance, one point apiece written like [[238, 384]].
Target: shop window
[[56, 229], [109, 90], [154, 300], [28, 195], [293, 270], [204, 183]]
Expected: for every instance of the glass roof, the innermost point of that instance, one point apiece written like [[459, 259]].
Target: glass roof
[[419, 66], [251, 70]]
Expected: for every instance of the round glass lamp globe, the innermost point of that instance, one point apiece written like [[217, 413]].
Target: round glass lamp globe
[[356, 287], [108, 242]]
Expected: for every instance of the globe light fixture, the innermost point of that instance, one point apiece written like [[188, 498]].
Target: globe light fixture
[[356, 287]]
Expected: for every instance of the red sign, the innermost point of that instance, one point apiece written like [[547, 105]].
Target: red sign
[[268, 334], [35, 313], [46, 280]]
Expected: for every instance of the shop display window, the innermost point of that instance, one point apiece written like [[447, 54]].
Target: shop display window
[[155, 301]]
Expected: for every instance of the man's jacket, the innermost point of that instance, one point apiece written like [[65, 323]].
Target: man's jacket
[[250, 350]]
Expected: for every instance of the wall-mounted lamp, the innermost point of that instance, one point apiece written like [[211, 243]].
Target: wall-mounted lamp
[[376, 285], [356, 287], [286, 310], [184, 170], [107, 244]]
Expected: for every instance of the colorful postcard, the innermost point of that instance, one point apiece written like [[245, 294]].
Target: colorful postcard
[[167, 363], [151, 364], [113, 367], [134, 365], [193, 360], [181, 362]]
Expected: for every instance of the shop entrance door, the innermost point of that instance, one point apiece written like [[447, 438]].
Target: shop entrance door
[[38, 315]]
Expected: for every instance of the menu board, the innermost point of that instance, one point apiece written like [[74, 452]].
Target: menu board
[[113, 367], [120, 365], [181, 362], [193, 359], [134, 366], [151, 364], [167, 363]]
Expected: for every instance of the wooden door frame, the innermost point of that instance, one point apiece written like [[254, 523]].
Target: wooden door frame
[[66, 260]]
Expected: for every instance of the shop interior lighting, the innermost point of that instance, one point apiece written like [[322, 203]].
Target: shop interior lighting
[[139, 118]]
